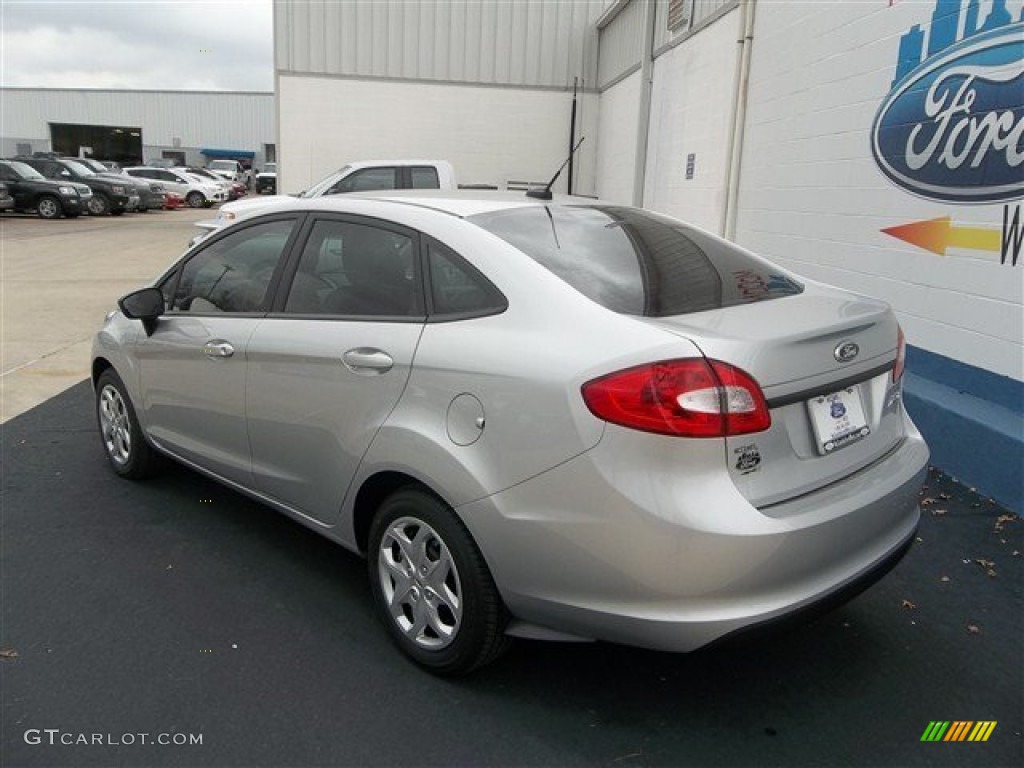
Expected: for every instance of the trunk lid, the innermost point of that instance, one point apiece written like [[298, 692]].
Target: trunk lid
[[823, 360]]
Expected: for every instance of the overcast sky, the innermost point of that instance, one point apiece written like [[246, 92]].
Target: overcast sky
[[224, 45]]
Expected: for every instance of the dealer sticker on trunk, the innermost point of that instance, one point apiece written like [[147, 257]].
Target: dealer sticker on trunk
[[838, 419]]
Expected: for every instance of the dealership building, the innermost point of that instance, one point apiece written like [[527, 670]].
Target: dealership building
[[872, 145], [188, 127]]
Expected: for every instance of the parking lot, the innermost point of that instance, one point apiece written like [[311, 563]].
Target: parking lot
[[176, 607], [59, 278]]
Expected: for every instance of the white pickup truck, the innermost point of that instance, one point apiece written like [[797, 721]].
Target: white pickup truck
[[362, 176]]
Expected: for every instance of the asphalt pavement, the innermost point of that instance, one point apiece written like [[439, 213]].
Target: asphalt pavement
[[178, 611]]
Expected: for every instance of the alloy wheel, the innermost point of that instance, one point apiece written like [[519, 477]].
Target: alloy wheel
[[115, 425]]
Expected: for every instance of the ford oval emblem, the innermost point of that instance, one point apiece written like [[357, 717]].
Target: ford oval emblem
[[950, 129], [846, 351]]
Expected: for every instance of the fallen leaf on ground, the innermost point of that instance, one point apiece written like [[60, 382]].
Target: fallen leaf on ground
[[938, 512], [983, 562], [1002, 520], [974, 629], [908, 605], [8, 653], [944, 578]]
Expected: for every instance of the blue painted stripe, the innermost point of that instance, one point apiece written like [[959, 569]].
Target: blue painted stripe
[[961, 377]]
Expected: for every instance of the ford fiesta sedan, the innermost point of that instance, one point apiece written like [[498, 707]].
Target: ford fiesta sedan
[[548, 419]]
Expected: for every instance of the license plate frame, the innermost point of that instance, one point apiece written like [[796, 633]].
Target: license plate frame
[[838, 419]]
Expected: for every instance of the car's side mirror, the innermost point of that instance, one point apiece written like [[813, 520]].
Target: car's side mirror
[[146, 305]]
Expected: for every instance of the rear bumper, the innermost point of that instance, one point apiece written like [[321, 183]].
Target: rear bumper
[[664, 553]]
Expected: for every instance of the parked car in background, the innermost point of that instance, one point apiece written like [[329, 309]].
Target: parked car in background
[[6, 201], [173, 201], [161, 162], [363, 176], [196, 192], [151, 193], [266, 180], [34, 192], [228, 169], [228, 186], [110, 165], [110, 195], [543, 418]]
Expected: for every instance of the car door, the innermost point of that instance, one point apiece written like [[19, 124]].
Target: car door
[[15, 185], [330, 363], [192, 367], [173, 182]]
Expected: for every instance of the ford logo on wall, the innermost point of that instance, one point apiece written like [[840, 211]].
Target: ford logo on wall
[[952, 129]]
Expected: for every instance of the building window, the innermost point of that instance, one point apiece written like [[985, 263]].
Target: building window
[[678, 14]]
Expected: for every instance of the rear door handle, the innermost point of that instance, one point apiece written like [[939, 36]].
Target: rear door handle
[[367, 360], [218, 348]]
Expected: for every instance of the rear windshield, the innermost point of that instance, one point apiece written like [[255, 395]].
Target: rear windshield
[[636, 262]]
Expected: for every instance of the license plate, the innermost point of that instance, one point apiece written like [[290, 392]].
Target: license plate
[[838, 419]]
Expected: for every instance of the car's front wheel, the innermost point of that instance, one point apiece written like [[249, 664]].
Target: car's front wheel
[[195, 200], [123, 442], [98, 205], [49, 207], [431, 585]]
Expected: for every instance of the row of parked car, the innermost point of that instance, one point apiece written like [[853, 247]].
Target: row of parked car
[[54, 186]]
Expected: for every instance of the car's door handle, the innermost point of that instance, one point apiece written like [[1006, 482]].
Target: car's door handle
[[367, 360], [218, 348]]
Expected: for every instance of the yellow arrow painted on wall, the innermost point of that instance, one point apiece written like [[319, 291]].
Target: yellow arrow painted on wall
[[937, 235]]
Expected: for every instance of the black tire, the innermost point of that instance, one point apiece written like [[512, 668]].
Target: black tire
[[98, 205], [449, 554], [49, 207], [195, 200], [123, 443]]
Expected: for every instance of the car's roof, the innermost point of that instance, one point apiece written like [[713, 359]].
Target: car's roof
[[462, 203]]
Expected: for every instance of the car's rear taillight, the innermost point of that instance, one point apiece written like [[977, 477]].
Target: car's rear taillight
[[901, 356], [692, 397]]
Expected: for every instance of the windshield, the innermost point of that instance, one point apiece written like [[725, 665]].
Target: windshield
[[94, 165], [322, 186], [78, 169], [25, 171], [224, 165], [204, 173], [636, 262]]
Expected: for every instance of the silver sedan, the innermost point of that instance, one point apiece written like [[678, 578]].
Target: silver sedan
[[547, 419]]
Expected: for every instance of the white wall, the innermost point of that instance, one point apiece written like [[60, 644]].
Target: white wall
[[490, 134], [691, 106], [813, 198], [616, 140]]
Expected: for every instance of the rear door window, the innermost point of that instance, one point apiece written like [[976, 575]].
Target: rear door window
[[637, 262], [353, 269]]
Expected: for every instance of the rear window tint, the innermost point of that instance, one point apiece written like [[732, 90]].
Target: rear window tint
[[636, 262]]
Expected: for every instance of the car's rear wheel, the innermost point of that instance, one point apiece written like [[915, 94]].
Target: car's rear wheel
[[98, 205], [431, 585], [195, 199], [49, 207], [123, 442]]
